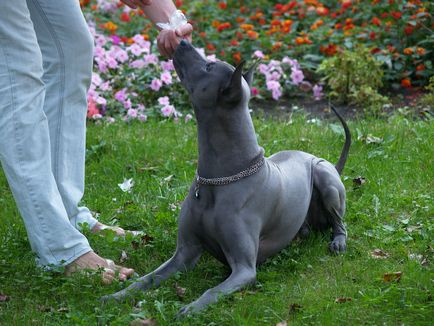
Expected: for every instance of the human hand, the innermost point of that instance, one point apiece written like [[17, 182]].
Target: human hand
[[168, 39], [136, 3]]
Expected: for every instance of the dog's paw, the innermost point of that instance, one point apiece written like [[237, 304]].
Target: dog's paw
[[338, 245]]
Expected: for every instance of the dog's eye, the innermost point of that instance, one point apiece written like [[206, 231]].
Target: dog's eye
[[209, 66]]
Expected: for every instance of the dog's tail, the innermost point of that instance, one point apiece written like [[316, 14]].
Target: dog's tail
[[344, 154]]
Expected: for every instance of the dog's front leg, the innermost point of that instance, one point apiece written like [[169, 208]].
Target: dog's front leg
[[239, 278], [184, 258], [240, 246]]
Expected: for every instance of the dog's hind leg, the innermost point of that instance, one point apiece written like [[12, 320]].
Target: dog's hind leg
[[332, 193]]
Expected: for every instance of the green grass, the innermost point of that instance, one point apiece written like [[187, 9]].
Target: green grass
[[392, 211]]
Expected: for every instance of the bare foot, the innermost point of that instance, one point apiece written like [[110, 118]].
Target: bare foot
[[118, 230], [91, 261]]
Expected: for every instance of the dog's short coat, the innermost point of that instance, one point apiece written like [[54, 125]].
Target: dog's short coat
[[244, 222]]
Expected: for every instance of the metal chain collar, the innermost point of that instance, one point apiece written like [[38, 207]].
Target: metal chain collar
[[257, 164]]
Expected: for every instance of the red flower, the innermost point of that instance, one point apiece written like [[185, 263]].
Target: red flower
[[346, 4], [376, 21], [396, 14], [372, 35], [406, 82], [125, 17], [408, 30], [223, 5]]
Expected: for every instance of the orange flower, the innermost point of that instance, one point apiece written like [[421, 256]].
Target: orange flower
[[237, 56], [247, 27], [110, 26], [240, 20], [420, 67], [420, 51], [202, 34], [376, 21], [277, 45], [252, 34], [406, 82], [408, 51], [299, 40], [224, 26], [210, 47], [234, 43], [215, 23]]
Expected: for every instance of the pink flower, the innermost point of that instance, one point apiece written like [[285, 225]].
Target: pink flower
[[150, 59], [167, 65], [96, 79], [91, 108], [121, 95], [166, 78], [115, 39], [99, 52], [102, 66], [138, 38], [101, 100], [140, 107], [135, 49], [127, 104], [167, 110], [122, 55], [138, 63], [188, 117], [132, 113], [163, 100], [142, 117], [254, 91], [296, 76], [112, 63], [275, 89], [156, 84], [258, 54], [317, 92], [105, 86], [263, 68]]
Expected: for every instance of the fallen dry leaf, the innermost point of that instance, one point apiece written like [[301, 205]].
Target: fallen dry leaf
[[180, 292], [379, 254], [4, 297], [63, 309], [392, 277], [282, 323], [45, 309], [124, 257], [144, 239], [343, 299], [144, 322]]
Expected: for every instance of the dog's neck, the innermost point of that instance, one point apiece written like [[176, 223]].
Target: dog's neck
[[227, 142]]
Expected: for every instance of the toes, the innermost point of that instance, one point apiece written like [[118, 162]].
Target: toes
[[338, 246]]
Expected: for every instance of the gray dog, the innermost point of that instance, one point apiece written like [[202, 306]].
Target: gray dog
[[242, 207]]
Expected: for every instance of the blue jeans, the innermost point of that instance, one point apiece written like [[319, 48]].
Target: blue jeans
[[46, 55]]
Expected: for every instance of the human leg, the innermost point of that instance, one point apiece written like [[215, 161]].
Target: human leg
[[67, 52], [25, 143]]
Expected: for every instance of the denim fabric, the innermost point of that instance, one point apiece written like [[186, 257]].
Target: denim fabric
[[45, 70]]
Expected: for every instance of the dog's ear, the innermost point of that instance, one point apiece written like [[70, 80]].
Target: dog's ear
[[248, 76], [234, 90]]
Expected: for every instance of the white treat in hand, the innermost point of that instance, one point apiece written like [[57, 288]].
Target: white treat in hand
[[175, 21]]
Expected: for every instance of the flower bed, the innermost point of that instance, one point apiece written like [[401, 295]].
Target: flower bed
[[292, 39]]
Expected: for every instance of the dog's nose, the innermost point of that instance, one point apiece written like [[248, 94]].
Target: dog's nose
[[183, 42]]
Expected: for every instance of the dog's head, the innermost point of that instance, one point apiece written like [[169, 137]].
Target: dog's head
[[210, 84]]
